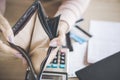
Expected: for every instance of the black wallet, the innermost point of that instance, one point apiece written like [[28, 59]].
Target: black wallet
[[49, 25], [106, 69]]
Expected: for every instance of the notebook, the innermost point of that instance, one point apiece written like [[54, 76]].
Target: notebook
[[76, 58], [106, 69], [105, 40]]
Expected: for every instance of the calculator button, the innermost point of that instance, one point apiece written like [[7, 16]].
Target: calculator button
[[62, 66], [48, 66], [55, 61], [62, 57], [62, 61], [62, 54], [54, 65]]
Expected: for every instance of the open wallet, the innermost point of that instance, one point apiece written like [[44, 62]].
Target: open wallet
[[32, 32]]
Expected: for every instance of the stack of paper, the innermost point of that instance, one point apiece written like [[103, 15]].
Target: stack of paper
[[105, 40], [76, 58]]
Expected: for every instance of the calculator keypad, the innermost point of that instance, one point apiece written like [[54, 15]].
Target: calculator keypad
[[58, 63]]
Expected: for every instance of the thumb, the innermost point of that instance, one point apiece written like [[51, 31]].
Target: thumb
[[54, 42], [18, 55], [52, 55], [8, 50], [6, 29], [59, 41]]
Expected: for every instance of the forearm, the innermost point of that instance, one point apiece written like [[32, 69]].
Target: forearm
[[71, 11]]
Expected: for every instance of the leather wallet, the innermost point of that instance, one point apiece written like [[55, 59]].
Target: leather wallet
[[36, 25]]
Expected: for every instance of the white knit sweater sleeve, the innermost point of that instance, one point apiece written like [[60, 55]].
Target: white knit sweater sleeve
[[72, 10]]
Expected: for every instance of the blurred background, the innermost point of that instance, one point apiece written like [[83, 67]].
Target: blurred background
[[105, 10]]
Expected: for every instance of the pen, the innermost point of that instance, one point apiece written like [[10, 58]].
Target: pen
[[81, 28], [83, 31], [79, 20]]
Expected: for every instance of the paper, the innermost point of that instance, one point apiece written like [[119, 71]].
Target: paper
[[76, 58], [105, 40]]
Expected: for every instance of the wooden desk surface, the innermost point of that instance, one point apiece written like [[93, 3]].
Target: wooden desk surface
[[108, 10]]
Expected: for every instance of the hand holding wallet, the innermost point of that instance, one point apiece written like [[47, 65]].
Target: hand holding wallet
[[33, 32]]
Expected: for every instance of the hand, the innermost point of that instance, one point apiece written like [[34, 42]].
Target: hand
[[5, 29], [62, 30], [7, 33], [59, 41]]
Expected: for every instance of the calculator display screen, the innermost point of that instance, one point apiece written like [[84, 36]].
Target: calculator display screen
[[51, 77], [54, 76]]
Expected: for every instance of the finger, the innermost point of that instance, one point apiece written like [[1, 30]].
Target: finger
[[52, 55], [59, 41], [55, 42], [18, 55], [6, 49], [6, 30]]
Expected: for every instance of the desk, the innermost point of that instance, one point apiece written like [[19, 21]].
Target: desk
[[108, 10]]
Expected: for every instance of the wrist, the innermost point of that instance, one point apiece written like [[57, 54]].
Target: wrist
[[63, 27]]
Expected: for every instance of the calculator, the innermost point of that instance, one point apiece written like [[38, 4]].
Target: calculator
[[58, 65]]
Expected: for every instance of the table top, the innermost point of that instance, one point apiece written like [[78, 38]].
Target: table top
[[107, 10]]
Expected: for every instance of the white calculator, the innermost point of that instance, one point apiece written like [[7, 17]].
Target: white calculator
[[58, 66]]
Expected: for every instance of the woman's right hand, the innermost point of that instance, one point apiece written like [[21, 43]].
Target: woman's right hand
[[7, 33]]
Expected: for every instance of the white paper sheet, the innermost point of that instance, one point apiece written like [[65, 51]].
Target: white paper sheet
[[76, 58], [105, 40]]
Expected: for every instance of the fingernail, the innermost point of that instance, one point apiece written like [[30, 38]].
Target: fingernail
[[11, 39], [53, 44], [18, 55], [24, 61]]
